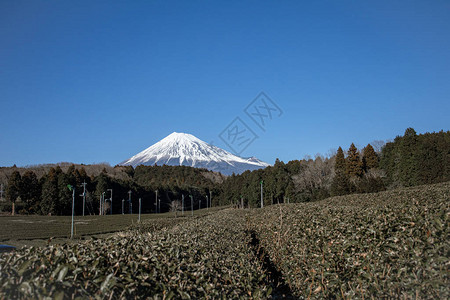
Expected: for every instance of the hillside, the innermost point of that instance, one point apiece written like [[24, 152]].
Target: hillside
[[91, 170]]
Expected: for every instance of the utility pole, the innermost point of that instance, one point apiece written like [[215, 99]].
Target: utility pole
[[123, 203], [182, 204], [262, 202], [100, 210], [71, 188], [192, 205], [159, 205], [210, 198], [84, 195], [110, 190], [156, 201], [207, 203], [139, 210], [129, 201], [103, 203]]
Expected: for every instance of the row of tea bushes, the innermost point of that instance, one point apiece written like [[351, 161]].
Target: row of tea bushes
[[392, 244], [205, 257]]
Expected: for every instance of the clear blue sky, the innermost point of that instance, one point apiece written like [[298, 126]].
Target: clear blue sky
[[99, 81]]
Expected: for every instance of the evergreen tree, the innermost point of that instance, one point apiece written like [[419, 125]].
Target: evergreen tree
[[13, 189], [102, 186], [83, 175], [64, 194], [339, 164], [290, 192], [408, 164], [282, 180], [50, 199], [353, 163], [370, 158], [417, 159], [340, 185], [30, 192]]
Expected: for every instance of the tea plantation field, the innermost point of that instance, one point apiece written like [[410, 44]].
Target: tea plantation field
[[392, 244], [387, 245], [22, 230]]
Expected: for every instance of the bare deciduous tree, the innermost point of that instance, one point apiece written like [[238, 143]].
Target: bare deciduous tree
[[378, 145], [175, 206]]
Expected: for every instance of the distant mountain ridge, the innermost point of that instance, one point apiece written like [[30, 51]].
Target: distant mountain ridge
[[183, 149]]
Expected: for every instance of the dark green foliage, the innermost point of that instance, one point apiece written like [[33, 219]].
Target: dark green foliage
[[417, 159], [102, 182], [369, 184], [30, 192], [64, 194], [408, 158], [339, 164], [354, 166], [14, 186], [278, 184], [370, 158], [340, 185], [13, 189], [173, 182], [50, 195]]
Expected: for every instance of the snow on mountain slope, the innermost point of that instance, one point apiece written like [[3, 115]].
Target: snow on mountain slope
[[182, 149]]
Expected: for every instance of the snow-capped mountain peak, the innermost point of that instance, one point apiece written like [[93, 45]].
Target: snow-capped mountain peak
[[183, 149]]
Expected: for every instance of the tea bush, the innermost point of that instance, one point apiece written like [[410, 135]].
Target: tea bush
[[392, 244], [204, 257], [388, 245]]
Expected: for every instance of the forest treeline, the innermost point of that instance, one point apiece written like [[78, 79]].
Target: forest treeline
[[50, 194], [409, 160]]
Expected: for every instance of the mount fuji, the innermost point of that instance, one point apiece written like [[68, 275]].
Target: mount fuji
[[183, 149]]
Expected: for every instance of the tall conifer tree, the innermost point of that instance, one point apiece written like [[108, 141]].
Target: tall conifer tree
[[13, 189], [340, 160], [353, 163], [340, 184], [370, 158]]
